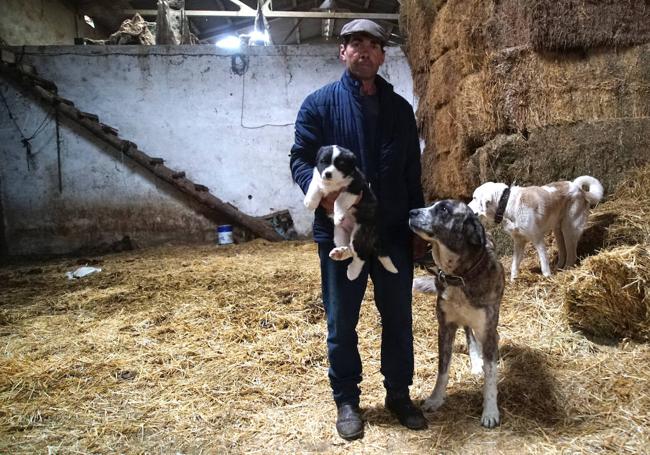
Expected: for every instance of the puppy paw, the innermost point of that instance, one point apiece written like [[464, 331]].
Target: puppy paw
[[432, 403], [338, 218], [340, 253], [311, 203], [490, 418], [354, 270]]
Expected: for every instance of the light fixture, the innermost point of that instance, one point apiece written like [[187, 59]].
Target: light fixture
[[229, 42], [260, 34], [258, 37], [89, 20]]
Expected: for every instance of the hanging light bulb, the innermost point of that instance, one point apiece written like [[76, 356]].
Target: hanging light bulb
[[260, 34]]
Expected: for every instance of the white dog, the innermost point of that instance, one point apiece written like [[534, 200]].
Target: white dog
[[528, 213]]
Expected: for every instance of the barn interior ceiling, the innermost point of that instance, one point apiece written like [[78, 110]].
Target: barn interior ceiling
[[289, 21]]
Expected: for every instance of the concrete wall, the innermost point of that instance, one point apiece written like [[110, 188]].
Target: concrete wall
[[40, 22], [185, 104]]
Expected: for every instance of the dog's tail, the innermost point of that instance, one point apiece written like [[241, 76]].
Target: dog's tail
[[591, 188], [387, 263]]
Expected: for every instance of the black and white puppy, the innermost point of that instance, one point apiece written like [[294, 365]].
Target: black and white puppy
[[355, 209], [469, 281]]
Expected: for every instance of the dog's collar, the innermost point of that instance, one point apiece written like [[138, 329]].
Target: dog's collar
[[447, 279], [501, 208]]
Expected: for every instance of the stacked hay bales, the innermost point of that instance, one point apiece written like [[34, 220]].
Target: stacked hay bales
[[529, 91]]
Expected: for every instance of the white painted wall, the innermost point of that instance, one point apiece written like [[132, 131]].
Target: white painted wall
[[184, 104]]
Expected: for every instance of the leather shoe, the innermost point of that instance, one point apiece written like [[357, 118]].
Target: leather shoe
[[406, 412], [349, 423]]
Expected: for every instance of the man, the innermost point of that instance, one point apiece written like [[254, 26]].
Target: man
[[362, 113]]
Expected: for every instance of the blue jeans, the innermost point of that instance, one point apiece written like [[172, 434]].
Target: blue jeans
[[342, 300]]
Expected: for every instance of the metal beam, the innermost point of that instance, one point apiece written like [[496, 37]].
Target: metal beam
[[251, 13], [232, 28]]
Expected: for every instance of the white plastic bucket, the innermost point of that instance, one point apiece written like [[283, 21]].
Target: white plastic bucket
[[224, 234]]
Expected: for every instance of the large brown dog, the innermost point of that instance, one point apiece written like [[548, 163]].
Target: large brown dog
[[469, 281], [530, 212]]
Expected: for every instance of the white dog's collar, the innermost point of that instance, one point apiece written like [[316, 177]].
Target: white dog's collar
[[501, 207]]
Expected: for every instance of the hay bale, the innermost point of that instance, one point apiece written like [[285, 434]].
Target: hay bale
[[527, 90], [606, 149], [580, 24], [609, 295], [551, 25]]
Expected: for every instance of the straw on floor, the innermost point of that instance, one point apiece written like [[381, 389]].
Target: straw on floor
[[222, 350]]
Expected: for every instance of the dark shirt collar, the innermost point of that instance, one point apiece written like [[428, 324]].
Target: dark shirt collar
[[354, 85]]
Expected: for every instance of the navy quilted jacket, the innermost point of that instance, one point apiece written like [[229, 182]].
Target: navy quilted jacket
[[333, 115]]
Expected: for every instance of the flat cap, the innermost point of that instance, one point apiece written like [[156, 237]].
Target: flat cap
[[365, 26]]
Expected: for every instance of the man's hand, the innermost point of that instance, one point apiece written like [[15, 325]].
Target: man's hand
[[328, 202]]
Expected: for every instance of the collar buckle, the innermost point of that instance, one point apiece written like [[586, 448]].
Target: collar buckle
[[450, 280]]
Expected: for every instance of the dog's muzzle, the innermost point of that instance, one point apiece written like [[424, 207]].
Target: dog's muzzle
[[420, 223]]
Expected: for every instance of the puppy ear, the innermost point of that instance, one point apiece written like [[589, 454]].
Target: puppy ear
[[474, 231]]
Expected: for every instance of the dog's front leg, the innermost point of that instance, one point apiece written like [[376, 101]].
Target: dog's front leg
[[341, 236], [475, 352], [342, 204], [446, 334], [314, 192], [543, 257], [517, 255], [561, 247], [572, 230], [490, 417], [342, 248]]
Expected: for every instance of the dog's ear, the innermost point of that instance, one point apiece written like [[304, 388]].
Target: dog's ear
[[474, 231]]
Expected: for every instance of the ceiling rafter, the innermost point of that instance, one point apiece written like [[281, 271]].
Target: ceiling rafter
[[297, 18]]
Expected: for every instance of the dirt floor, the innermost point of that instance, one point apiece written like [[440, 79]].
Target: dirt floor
[[221, 349]]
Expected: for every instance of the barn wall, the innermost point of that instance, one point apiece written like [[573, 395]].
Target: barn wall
[[187, 105], [37, 22]]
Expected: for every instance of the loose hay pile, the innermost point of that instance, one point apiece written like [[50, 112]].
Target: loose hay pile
[[222, 350], [609, 295]]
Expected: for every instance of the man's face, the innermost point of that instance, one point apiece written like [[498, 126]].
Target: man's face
[[363, 56]]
